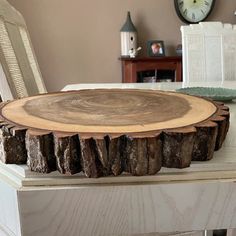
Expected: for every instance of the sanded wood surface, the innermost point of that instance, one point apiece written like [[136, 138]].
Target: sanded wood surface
[[109, 131], [108, 111]]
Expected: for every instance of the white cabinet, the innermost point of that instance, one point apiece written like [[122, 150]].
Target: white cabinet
[[209, 52]]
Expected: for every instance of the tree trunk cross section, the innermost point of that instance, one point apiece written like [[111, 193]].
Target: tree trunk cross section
[[109, 131]]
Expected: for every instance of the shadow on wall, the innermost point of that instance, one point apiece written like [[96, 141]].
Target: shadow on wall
[[143, 33]]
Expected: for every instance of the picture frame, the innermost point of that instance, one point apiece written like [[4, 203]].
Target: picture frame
[[155, 48]]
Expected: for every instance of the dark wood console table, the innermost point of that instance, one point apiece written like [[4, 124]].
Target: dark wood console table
[[131, 66]]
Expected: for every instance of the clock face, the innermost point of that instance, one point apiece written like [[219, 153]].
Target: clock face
[[194, 11]]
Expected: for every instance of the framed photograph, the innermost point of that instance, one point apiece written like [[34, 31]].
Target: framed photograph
[[155, 48]]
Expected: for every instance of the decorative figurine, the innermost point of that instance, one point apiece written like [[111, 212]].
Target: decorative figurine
[[134, 52], [179, 50]]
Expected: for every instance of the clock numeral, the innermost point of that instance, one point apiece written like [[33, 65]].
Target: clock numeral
[[181, 4], [193, 16], [202, 12], [185, 12], [207, 3]]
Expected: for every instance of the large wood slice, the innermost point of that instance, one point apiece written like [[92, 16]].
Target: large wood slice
[[110, 131]]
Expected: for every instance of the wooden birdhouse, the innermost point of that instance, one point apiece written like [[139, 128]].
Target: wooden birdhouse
[[128, 37]]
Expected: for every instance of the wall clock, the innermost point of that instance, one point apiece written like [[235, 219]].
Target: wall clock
[[193, 11]]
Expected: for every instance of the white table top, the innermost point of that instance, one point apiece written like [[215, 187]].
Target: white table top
[[158, 86], [222, 167]]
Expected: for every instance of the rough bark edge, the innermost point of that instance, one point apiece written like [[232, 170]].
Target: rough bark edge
[[178, 147], [40, 150], [138, 154]]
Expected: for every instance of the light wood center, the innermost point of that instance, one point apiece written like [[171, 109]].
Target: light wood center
[[108, 111]]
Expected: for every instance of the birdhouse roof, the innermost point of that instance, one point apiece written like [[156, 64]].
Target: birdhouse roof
[[128, 26]]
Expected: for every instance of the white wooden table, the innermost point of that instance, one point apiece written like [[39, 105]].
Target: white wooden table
[[197, 198]]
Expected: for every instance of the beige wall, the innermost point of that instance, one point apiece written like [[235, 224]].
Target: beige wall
[[77, 41]]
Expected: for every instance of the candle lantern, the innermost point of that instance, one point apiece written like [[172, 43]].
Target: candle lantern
[[128, 37]]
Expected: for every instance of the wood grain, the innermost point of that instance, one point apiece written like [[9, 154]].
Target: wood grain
[[127, 209], [108, 111], [110, 131]]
